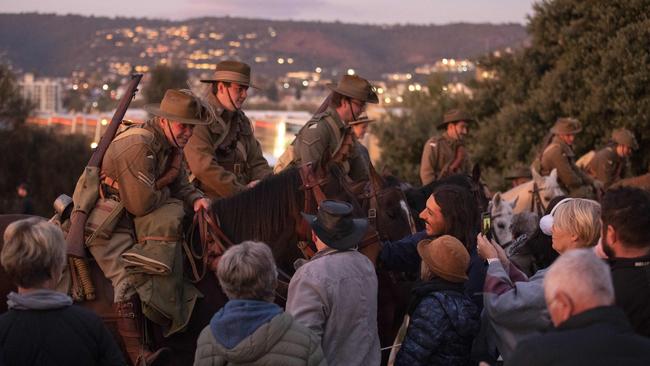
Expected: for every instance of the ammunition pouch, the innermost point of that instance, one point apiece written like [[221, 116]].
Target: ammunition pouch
[[103, 219]]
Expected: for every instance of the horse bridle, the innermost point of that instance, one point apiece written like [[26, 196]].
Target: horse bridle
[[536, 204], [312, 184]]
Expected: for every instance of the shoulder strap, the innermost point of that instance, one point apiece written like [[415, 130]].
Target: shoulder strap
[[335, 128], [136, 130]]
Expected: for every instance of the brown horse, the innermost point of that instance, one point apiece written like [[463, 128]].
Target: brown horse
[[269, 212]]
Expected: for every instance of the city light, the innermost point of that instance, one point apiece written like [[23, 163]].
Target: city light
[[280, 60], [318, 70], [286, 85], [411, 87], [305, 83], [105, 87], [289, 60], [75, 87], [350, 71], [93, 145], [387, 100], [380, 90], [104, 122]]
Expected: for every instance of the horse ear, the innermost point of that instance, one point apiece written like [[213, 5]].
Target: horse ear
[[514, 202], [476, 173], [497, 199], [553, 174], [536, 176]]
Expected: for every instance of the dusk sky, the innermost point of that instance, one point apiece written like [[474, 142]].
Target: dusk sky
[[359, 11]]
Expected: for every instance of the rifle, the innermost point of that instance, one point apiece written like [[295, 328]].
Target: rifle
[[76, 239]]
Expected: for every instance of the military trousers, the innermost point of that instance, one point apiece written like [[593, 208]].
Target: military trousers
[[149, 248]]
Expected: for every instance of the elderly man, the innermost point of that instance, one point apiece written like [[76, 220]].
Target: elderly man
[[335, 293], [139, 250], [250, 329], [445, 154], [610, 164], [224, 157], [589, 330], [626, 241], [559, 155], [324, 133]]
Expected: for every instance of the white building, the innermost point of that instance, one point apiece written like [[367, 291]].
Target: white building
[[46, 93]]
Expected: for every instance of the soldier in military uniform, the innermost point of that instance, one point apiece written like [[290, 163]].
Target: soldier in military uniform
[[142, 175], [445, 154], [610, 164], [224, 157], [325, 131], [519, 175], [558, 154], [359, 128]]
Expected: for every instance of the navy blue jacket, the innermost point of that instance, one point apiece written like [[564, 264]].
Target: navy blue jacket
[[599, 336], [402, 256], [443, 325]]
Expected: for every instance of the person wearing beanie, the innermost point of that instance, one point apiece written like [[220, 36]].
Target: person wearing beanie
[[443, 320]]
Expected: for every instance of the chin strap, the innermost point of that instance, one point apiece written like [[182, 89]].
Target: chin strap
[[169, 128]]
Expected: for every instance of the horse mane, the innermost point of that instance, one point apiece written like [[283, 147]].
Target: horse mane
[[270, 205]]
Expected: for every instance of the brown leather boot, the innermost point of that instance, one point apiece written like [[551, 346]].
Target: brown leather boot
[[129, 325]]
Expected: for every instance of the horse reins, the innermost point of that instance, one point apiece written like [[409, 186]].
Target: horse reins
[[536, 204]]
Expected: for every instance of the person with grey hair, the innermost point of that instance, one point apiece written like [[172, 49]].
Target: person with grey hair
[[514, 303], [33, 257], [589, 329], [250, 329]]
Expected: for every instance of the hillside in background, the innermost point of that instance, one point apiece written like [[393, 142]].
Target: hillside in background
[[56, 45]]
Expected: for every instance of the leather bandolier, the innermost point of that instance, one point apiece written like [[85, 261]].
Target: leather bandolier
[[231, 153]]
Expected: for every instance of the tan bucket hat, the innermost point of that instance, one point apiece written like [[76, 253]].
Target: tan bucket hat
[[177, 106], [232, 72], [446, 256], [454, 115], [566, 126], [519, 172], [361, 119], [355, 87], [623, 136]]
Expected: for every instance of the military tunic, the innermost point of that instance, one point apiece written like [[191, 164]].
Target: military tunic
[[324, 132], [224, 156], [558, 155], [133, 162], [607, 167], [438, 154]]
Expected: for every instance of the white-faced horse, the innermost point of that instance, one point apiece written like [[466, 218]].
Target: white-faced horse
[[535, 195], [501, 214]]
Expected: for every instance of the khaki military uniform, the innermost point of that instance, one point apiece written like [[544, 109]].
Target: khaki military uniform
[[437, 156], [324, 132], [224, 156], [558, 155], [607, 167], [143, 252]]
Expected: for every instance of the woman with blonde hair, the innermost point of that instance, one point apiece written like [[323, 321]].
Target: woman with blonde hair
[[42, 327], [514, 304]]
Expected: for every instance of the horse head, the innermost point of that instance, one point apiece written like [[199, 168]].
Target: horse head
[[501, 213], [547, 186]]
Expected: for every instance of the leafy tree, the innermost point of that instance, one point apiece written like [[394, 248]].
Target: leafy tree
[[164, 77], [587, 59], [14, 109]]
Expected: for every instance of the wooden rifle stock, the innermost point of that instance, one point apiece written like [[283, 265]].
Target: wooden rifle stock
[[75, 238]]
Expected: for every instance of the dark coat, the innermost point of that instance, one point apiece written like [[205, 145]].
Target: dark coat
[[65, 336], [402, 256], [599, 336], [444, 322], [631, 277]]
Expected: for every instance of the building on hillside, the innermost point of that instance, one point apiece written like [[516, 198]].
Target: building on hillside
[[45, 93]]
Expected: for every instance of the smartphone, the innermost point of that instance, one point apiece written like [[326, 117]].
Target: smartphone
[[486, 225]]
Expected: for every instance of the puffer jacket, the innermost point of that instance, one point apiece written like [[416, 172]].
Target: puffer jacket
[[442, 327], [278, 341]]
